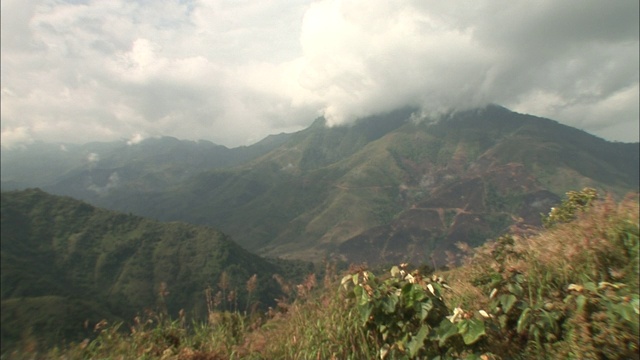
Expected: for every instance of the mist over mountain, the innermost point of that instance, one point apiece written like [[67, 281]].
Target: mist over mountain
[[391, 187], [150, 164]]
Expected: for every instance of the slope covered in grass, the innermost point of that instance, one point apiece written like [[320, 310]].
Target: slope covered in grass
[[566, 292], [570, 291]]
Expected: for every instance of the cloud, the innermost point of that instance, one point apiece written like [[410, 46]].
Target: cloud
[[135, 139], [107, 70], [93, 158], [234, 72], [578, 64], [112, 182], [15, 137]]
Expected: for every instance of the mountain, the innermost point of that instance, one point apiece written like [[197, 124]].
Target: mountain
[[389, 188], [64, 262], [95, 168]]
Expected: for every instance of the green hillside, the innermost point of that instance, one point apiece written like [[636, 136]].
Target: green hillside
[[64, 262], [389, 186]]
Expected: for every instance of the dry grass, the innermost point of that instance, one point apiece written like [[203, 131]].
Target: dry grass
[[600, 246]]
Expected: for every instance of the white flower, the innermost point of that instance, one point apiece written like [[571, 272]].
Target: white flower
[[430, 287], [493, 293], [457, 312]]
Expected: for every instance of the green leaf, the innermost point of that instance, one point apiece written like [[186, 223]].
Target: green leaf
[[472, 357], [389, 303], [425, 307], [551, 319], [384, 330], [591, 287], [625, 311], [412, 293], [581, 300], [361, 295], [417, 341], [523, 321], [534, 331], [496, 279], [507, 301], [445, 330], [365, 312], [515, 289], [471, 330], [635, 303], [502, 319]]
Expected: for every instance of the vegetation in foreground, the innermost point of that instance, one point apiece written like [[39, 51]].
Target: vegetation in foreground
[[568, 291]]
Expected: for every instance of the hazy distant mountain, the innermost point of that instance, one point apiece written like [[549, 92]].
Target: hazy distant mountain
[[64, 262], [90, 170], [387, 189]]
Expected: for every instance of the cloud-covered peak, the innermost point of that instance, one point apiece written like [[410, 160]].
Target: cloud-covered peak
[[576, 64], [234, 72]]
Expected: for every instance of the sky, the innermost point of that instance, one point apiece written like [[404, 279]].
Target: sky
[[235, 71]]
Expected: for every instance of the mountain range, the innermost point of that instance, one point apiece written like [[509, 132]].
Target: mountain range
[[390, 188]]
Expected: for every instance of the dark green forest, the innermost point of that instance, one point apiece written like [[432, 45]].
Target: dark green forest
[[65, 262]]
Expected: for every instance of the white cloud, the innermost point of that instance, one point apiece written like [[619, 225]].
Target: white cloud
[[135, 139], [233, 72], [552, 59], [14, 137], [93, 158], [112, 182]]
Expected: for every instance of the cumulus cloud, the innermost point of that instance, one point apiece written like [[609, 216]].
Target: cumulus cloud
[[234, 72], [98, 70], [578, 64]]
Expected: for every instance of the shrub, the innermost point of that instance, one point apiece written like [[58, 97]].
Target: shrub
[[570, 291], [406, 317], [574, 202]]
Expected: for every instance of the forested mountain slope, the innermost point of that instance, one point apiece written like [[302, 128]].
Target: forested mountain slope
[[392, 187], [64, 261]]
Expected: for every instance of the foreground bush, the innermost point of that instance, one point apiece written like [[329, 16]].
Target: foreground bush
[[406, 317], [569, 292]]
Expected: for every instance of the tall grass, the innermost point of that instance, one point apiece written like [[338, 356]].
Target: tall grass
[[315, 321], [584, 274]]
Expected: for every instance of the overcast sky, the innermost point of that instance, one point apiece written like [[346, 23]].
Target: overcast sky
[[235, 71]]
